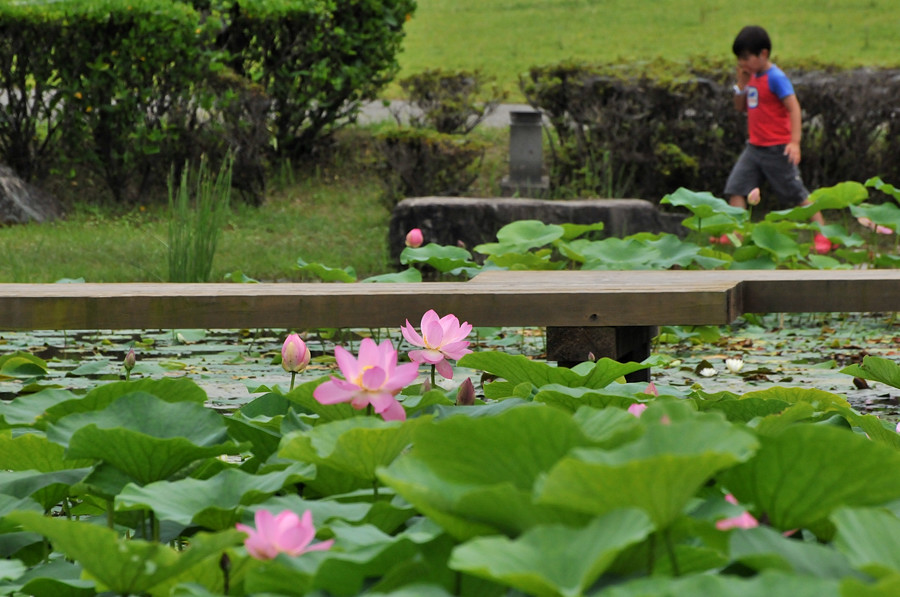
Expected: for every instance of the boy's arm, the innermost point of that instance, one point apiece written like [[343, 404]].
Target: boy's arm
[[740, 99], [792, 150]]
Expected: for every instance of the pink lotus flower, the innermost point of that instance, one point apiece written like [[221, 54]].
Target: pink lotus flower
[[745, 520], [294, 354], [373, 380], [753, 197], [414, 238], [821, 244], [285, 533], [442, 338], [637, 409]]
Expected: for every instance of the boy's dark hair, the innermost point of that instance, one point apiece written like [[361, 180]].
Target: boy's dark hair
[[752, 39]]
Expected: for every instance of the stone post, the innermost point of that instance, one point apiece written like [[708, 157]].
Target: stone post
[[525, 157]]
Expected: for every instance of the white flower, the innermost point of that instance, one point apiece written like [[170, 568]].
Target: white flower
[[708, 371], [734, 365]]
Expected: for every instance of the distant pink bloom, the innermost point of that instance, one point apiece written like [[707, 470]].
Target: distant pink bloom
[[665, 420], [745, 520], [821, 244], [294, 354], [442, 338], [651, 389], [373, 379], [284, 533], [898, 427], [414, 238], [637, 409], [753, 197], [866, 222]]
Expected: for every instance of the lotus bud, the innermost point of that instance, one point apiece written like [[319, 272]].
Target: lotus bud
[[294, 354], [734, 365], [426, 386], [465, 396], [130, 360], [651, 389], [753, 197], [637, 409], [414, 238]]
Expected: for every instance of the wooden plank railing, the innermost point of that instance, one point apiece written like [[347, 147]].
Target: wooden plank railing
[[607, 313]]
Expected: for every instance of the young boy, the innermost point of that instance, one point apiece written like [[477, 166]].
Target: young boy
[[772, 153]]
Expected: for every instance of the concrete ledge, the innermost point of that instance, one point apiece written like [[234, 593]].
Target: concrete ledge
[[472, 221]]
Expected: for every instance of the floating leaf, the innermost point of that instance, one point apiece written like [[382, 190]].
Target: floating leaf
[[553, 559], [22, 365]]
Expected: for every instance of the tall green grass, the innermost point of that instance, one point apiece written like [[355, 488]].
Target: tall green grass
[[504, 38], [198, 207]]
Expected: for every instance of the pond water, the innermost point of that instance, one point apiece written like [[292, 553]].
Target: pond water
[[235, 366]]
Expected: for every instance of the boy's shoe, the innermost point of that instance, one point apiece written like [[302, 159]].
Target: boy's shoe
[[822, 245]]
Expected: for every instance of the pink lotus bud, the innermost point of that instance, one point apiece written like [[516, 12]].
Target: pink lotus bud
[[753, 197], [465, 396], [898, 427], [130, 360], [414, 238], [637, 409], [294, 354], [651, 389]]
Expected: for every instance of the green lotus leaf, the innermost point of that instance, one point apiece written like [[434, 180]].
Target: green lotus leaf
[[56, 578], [779, 244], [572, 231], [660, 472], [29, 409], [125, 566], [410, 274], [442, 258], [302, 397], [876, 369], [840, 196], [22, 365], [714, 225], [538, 261], [571, 399], [475, 475], [870, 538], [47, 488], [885, 214], [770, 582], [360, 552], [356, 446], [166, 389], [553, 559], [263, 436], [145, 437], [763, 548], [521, 236], [799, 476], [325, 273], [702, 204], [210, 503], [888, 586]]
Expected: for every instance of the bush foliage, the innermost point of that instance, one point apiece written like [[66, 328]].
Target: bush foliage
[[644, 129], [131, 87]]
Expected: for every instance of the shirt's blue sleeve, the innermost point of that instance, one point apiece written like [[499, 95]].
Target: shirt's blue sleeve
[[779, 84]]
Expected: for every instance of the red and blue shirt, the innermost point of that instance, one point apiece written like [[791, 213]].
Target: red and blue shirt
[[768, 121]]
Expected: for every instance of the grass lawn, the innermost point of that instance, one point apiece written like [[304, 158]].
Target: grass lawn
[[504, 38]]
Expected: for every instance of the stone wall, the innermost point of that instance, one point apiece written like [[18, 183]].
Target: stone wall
[[470, 222]]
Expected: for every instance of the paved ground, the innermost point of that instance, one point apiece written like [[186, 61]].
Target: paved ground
[[377, 111]]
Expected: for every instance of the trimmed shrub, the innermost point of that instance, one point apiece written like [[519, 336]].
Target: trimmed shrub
[[642, 130], [450, 102], [422, 162]]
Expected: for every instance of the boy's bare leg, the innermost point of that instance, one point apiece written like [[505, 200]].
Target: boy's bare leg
[[817, 217], [737, 201]]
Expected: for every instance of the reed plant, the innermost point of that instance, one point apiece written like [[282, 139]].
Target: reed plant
[[198, 209]]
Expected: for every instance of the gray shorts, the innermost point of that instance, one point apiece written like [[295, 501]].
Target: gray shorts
[[757, 164]]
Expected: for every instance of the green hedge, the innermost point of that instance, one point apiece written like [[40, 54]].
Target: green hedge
[[131, 87], [642, 130]]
